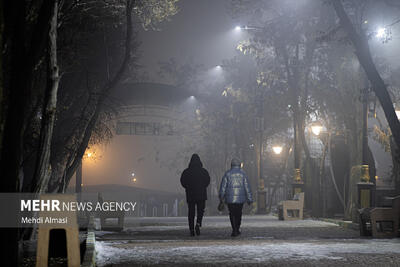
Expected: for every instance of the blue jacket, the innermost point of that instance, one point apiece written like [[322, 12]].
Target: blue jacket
[[235, 187]]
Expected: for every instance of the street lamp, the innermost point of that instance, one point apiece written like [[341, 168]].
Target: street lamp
[[298, 184], [316, 129], [277, 149], [381, 32], [261, 194], [384, 34], [133, 177], [365, 187], [325, 136]]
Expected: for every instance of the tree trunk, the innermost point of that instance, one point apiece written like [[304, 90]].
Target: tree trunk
[[360, 43], [2, 108], [11, 150], [396, 166], [21, 60], [41, 174]]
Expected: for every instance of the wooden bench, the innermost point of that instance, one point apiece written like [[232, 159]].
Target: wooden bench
[[292, 207], [104, 215], [385, 221]]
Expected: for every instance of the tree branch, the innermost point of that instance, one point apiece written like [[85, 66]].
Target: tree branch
[[104, 93]]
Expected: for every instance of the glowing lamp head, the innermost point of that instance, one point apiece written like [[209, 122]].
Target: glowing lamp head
[[316, 129], [277, 149], [89, 154], [381, 32], [238, 28], [134, 180], [133, 174]]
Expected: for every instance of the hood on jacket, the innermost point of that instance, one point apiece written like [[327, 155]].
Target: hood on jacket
[[235, 163], [195, 161]]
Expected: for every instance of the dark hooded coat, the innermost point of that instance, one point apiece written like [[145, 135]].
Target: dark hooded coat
[[195, 180]]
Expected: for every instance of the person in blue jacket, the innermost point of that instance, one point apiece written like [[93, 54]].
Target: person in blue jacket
[[235, 191]]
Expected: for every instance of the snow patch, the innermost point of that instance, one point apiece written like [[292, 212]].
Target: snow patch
[[256, 252]]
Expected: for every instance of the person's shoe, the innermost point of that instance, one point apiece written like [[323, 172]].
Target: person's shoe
[[191, 232], [234, 233], [197, 228]]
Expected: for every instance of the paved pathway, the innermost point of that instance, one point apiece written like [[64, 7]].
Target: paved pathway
[[265, 241]]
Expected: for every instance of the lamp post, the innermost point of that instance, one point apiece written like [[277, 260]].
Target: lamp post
[[261, 193], [325, 136], [364, 187], [259, 126], [297, 184]]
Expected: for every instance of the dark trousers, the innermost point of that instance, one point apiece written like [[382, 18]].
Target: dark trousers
[[192, 210], [235, 215]]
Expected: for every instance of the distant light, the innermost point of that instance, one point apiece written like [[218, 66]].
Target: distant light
[[277, 149], [133, 174], [89, 154], [365, 21], [238, 28], [381, 33], [192, 97], [224, 93], [218, 67], [316, 129], [134, 180]]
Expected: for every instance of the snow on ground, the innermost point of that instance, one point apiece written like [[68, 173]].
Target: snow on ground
[[179, 223], [101, 233], [238, 252]]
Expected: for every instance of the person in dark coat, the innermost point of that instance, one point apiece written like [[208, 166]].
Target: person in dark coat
[[235, 190], [195, 179]]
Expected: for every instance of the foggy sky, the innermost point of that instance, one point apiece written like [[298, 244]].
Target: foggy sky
[[202, 31]]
